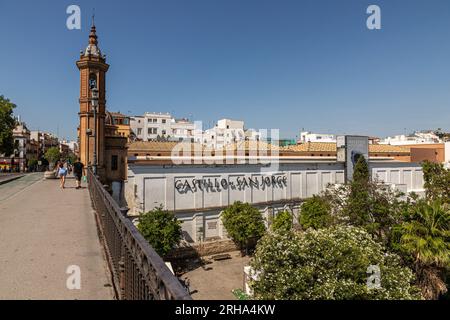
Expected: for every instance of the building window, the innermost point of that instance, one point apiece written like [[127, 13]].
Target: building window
[[163, 120], [114, 163], [139, 131], [155, 120]]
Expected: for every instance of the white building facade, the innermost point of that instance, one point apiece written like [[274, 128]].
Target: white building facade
[[225, 132], [161, 126], [415, 138], [306, 136], [198, 194]]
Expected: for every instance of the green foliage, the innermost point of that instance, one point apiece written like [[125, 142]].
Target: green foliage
[[329, 263], [282, 222], [361, 172], [7, 125], [315, 213], [437, 181], [240, 294], [426, 234], [424, 238], [52, 155], [366, 203], [358, 203], [243, 223], [161, 229], [355, 225]]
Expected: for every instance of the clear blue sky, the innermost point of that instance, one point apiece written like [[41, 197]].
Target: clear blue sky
[[275, 64]]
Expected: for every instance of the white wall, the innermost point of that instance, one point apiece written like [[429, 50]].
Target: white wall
[[409, 175], [199, 208], [157, 185]]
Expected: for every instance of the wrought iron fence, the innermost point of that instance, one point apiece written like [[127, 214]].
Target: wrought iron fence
[[139, 272]]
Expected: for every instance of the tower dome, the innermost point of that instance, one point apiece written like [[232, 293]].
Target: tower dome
[[92, 49]]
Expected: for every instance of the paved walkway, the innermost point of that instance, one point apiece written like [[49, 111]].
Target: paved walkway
[[43, 231], [218, 279]]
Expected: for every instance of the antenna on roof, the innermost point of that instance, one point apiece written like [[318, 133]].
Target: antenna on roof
[[93, 16]]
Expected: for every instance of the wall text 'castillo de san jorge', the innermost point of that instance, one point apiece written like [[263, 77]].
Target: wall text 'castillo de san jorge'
[[240, 183]]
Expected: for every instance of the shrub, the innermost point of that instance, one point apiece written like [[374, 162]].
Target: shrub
[[315, 213], [282, 222], [330, 263], [161, 229], [243, 223]]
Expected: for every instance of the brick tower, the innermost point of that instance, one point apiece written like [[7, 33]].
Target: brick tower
[[93, 68]]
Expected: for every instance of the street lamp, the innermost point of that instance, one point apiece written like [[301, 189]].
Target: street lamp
[[94, 102], [88, 135]]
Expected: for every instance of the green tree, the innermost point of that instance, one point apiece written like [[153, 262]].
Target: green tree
[[436, 181], [315, 213], [243, 223], [52, 155], [330, 263], [282, 222], [161, 229], [7, 125], [358, 203], [425, 239], [367, 203]]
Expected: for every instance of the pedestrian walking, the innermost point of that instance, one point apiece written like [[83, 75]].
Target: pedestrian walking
[[62, 173], [78, 171]]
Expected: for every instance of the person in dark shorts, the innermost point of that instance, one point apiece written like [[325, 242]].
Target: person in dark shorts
[[78, 170]]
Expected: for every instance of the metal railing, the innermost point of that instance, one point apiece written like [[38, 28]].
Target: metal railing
[[138, 271]]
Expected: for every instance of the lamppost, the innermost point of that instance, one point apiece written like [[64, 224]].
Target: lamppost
[[88, 135], [94, 102]]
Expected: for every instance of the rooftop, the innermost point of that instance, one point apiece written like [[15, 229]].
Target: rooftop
[[168, 146], [331, 147]]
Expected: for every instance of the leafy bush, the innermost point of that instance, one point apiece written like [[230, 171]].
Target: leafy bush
[[161, 229], [330, 263], [282, 222], [243, 223], [315, 213]]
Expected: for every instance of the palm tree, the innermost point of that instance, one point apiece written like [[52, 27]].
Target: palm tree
[[426, 237]]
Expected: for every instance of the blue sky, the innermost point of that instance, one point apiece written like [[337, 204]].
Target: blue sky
[[275, 64]]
